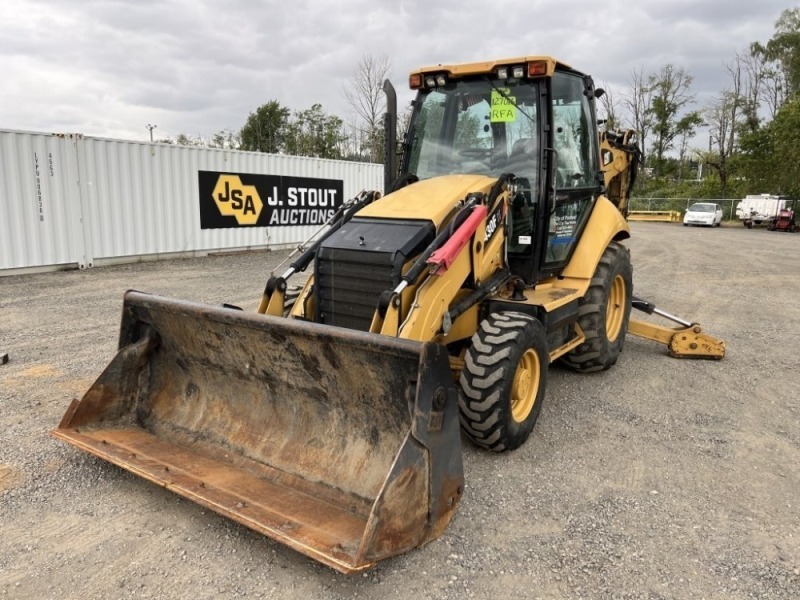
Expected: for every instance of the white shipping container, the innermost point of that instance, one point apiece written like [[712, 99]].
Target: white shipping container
[[39, 223], [73, 201]]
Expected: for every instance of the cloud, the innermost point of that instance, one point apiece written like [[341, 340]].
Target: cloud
[[195, 66]]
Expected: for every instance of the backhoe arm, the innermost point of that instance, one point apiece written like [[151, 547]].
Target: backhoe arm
[[685, 341], [621, 159]]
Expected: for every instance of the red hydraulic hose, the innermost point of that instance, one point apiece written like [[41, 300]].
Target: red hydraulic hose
[[445, 255]]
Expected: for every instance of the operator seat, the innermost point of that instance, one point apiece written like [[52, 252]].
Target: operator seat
[[522, 158], [522, 162]]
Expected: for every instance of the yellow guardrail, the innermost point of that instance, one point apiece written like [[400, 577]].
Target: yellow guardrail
[[670, 216]]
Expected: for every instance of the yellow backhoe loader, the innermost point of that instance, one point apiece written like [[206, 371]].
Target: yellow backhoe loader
[[334, 426]]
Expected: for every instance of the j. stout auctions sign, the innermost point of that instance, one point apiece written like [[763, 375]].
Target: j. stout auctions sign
[[245, 200]]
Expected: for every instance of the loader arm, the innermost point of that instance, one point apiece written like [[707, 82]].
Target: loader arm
[[687, 340], [469, 251], [274, 300]]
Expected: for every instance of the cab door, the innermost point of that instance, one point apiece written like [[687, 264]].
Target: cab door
[[575, 166]]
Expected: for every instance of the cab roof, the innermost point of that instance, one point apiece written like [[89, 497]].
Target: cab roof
[[486, 67]]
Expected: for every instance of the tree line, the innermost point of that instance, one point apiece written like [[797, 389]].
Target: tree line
[[753, 124]]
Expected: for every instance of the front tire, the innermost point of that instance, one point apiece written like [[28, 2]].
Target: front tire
[[503, 381], [604, 312]]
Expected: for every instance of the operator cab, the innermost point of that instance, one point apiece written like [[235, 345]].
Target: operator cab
[[532, 117]]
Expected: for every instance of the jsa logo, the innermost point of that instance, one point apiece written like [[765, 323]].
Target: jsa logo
[[234, 199]]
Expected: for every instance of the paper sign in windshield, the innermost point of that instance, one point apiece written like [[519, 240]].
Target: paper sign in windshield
[[503, 107]]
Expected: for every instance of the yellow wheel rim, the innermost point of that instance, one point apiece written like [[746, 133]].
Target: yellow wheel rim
[[615, 312], [526, 385]]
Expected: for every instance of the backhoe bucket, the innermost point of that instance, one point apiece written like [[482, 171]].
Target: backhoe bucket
[[340, 444]]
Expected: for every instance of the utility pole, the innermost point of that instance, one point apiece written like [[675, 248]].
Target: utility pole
[[150, 127]]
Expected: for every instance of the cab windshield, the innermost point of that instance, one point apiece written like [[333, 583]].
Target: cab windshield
[[475, 127]]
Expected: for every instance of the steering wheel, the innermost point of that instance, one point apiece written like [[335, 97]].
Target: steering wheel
[[484, 153]]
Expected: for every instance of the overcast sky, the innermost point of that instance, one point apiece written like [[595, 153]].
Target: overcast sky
[[109, 68]]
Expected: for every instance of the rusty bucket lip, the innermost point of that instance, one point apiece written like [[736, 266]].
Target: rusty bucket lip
[[96, 448], [316, 331]]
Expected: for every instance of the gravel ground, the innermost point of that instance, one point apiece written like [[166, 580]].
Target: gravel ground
[[660, 478]]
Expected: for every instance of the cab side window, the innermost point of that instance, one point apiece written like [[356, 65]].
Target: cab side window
[[576, 165], [574, 131]]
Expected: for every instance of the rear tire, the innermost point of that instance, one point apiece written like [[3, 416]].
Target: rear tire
[[503, 381], [604, 312]]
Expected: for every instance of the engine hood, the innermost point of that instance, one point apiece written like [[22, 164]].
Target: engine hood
[[429, 199]]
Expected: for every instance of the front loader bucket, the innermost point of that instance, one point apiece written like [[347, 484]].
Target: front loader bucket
[[340, 444]]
